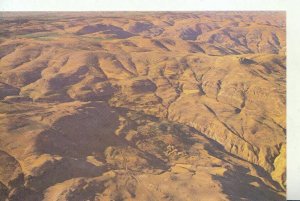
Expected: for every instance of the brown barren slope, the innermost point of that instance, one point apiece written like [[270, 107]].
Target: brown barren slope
[[142, 106]]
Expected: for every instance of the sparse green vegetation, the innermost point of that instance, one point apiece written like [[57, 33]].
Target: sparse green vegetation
[[43, 36]]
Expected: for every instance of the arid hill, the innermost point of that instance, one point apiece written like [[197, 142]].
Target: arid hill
[[142, 106]]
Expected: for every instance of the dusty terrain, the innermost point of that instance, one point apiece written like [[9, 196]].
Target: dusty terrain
[[142, 106]]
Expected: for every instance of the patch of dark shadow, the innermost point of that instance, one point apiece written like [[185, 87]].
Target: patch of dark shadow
[[24, 193], [279, 63], [195, 48], [184, 63], [59, 26], [183, 132], [97, 45], [29, 31], [227, 32], [17, 125], [170, 22], [117, 32], [260, 171], [229, 127], [54, 96], [246, 61], [276, 39], [11, 174], [201, 90], [92, 60], [238, 185], [26, 77], [8, 90], [7, 49], [233, 51], [4, 191], [17, 99], [217, 150], [140, 27], [154, 32], [178, 89], [155, 162], [273, 47], [168, 41], [57, 171], [143, 86], [129, 44], [85, 191], [159, 44], [6, 33], [189, 34], [237, 110], [18, 21], [173, 77], [254, 130], [268, 68], [101, 94], [137, 116], [256, 74], [221, 50], [12, 180], [214, 148], [212, 38], [60, 80], [234, 24], [89, 130]]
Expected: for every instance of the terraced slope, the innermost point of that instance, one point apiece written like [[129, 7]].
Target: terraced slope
[[142, 106]]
